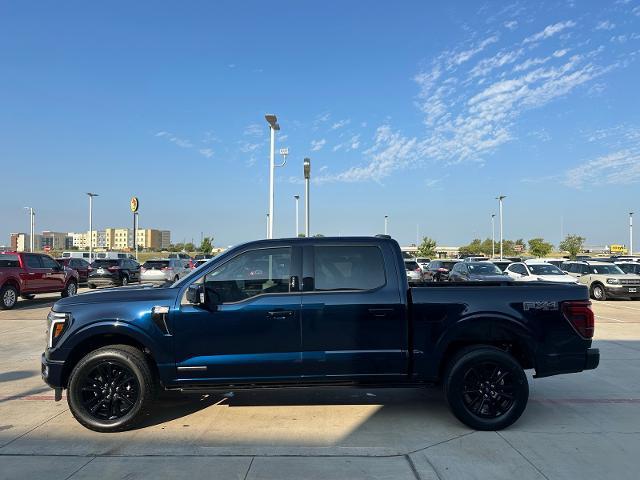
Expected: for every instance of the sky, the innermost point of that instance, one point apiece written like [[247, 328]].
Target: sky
[[422, 111]]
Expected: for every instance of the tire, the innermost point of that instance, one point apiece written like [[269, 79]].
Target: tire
[[70, 289], [115, 382], [28, 296], [176, 278], [8, 297], [92, 286], [473, 397], [125, 281], [598, 292]]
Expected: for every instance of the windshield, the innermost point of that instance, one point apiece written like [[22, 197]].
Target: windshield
[[104, 263], [543, 269], [197, 273], [10, 261], [155, 264], [484, 269], [605, 270]]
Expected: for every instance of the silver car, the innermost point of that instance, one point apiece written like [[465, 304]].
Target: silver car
[[414, 272], [162, 270]]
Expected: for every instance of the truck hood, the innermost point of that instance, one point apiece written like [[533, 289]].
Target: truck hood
[[120, 294]]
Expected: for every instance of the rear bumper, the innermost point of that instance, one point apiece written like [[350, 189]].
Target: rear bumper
[[105, 280], [555, 364]]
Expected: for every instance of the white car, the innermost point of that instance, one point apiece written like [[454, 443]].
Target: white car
[[538, 271], [162, 270]]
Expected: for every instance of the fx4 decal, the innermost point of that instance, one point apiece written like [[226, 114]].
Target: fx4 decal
[[545, 306]]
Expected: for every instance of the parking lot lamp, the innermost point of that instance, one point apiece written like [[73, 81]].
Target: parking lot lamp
[[273, 126], [630, 233], [267, 225], [500, 198], [386, 224], [493, 235], [297, 197], [32, 225], [307, 178], [91, 195]]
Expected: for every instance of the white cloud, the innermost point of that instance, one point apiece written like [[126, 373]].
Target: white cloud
[[605, 25], [340, 124], [248, 147], [180, 142], [550, 31], [254, 130], [317, 144], [617, 168], [206, 152], [463, 56], [500, 59], [511, 25]]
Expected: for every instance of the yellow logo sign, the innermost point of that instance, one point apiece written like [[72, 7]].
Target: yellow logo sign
[[617, 249], [134, 204]]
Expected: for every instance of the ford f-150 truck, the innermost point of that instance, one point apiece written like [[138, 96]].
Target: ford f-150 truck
[[28, 274], [314, 312]]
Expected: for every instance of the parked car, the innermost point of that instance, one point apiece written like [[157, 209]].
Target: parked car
[[77, 254], [414, 272], [203, 256], [423, 262], [604, 280], [502, 264], [330, 311], [113, 272], [555, 261], [477, 272], [199, 263], [113, 255], [438, 270], [163, 270], [181, 255], [629, 267], [80, 265], [475, 259], [27, 274], [537, 270]]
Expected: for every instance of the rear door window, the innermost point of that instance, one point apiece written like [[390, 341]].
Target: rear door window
[[33, 261], [49, 262], [348, 268]]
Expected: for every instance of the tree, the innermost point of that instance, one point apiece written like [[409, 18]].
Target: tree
[[189, 247], [539, 248], [207, 245], [474, 248], [427, 248], [572, 244]]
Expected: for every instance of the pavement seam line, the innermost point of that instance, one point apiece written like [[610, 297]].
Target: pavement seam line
[[249, 469], [80, 468], [415, 470], [439, 443], [522, 455], [34, 428]]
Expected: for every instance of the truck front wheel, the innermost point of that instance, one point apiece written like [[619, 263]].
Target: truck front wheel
[[486, 388], [110, 388]]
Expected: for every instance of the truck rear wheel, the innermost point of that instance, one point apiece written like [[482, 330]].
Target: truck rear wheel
[[110, 388], [486, 388]]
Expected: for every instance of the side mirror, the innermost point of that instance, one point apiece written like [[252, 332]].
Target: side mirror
[[195, 294]]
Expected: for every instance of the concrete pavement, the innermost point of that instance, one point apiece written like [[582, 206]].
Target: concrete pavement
[[575, 425]]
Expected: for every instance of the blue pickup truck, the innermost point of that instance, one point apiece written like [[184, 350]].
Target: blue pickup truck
[[314, 312]]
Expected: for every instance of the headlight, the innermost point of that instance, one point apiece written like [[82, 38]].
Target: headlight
[[613, 281], [57, 323]]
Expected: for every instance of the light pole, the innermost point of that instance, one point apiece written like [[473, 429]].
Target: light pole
[[386, 224], [500, 198], [630, 233], [307, 177], [135, 232], [273, 126], [32, 225], [493, 235], [267, 225], [91, 195], [297, 197]]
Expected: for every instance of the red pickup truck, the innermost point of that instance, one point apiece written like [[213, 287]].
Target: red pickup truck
[[27, 274]]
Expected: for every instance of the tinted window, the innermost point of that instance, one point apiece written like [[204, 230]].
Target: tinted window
[[249, 274], [155, 264], [518, 268], [33, 261], [349, 268], [542, 269], [448, 265], [605, 270], [49, 262], [105, 263], [484, 269], [9, 261], [411, 265]]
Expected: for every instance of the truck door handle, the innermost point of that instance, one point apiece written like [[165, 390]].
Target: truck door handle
[[380, 312], [280, 314]]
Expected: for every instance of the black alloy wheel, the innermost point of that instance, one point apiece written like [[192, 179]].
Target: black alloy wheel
[[109, 391], [489, 390]]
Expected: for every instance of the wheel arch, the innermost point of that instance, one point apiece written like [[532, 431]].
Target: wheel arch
[[104, 335], [494, 330]]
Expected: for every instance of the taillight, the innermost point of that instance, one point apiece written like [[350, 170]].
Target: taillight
[[167, 268], [580, 317], [89, 268], [142, 269], [417, 270]]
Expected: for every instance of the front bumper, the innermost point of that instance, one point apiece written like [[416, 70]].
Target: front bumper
[[555, 363], [52, 372], [622, 291]]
